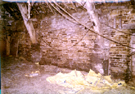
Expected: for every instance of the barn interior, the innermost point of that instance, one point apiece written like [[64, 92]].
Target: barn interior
[[39, 39]]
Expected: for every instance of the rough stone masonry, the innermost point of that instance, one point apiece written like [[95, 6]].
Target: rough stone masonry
[[67, 44]]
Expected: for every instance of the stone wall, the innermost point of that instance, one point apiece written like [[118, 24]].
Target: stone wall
[[67, 44], [118, 54], [70, 45], [120, 18], [87, 51]]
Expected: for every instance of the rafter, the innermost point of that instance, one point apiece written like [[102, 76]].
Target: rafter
[[28, 23]]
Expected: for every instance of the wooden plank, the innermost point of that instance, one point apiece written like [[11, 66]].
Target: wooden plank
[[27, 22]]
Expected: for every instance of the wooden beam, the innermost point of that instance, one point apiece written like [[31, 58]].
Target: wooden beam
[[28, 23], [95, 19]]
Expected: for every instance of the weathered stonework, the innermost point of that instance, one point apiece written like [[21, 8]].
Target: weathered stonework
[[120, 63], [67, 44], [118, 54]]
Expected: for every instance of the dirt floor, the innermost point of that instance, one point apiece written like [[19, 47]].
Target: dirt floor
[[15, 74]]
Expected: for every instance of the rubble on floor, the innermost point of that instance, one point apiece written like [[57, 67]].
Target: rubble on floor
[[78, 81]]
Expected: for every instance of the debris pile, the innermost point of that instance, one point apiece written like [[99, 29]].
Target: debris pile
[[78, 81]]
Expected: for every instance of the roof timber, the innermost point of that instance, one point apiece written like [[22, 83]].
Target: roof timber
[[32, 32]]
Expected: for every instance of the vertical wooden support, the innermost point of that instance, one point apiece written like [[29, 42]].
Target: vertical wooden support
[[28, 23], [8, 45]]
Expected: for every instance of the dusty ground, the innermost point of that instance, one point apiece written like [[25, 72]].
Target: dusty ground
[[14, 80]]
